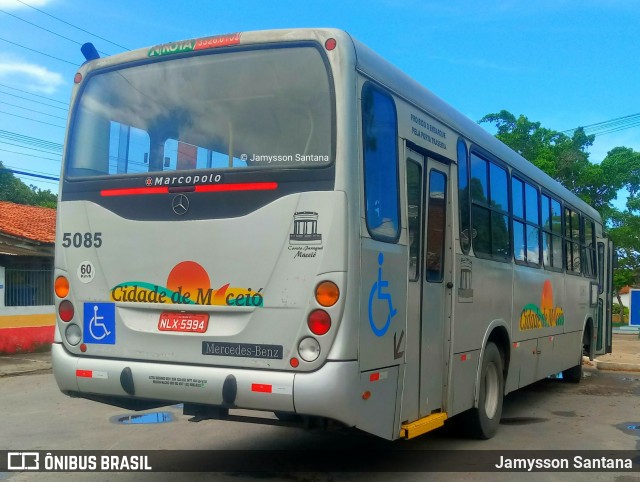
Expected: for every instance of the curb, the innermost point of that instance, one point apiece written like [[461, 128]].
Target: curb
[[24, 364], [25, 372], [618, 367]]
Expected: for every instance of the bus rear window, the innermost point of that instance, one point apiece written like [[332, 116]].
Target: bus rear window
[[257, 109]]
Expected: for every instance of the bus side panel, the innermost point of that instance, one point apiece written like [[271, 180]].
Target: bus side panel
[[539, 302], [382, 331], [376, 414], [463, 380], [522, 370], [566, 350], [577, 303], [489, 298], [546, 363]]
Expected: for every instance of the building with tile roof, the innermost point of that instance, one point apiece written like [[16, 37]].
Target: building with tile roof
[[27, 230], [27, 239]]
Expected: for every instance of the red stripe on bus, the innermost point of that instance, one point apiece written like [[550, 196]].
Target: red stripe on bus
[[134, 191], [259, 387], [245, 186], [84, 373]]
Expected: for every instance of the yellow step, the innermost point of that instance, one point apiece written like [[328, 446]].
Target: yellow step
[[423, 425]]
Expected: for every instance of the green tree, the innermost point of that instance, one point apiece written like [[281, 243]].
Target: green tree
[[567, 160], [14, 190]]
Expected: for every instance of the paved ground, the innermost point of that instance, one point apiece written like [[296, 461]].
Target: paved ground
[[625, 357]]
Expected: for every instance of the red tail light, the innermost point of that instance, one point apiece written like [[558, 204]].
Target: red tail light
[[319, 322], [66, 310]]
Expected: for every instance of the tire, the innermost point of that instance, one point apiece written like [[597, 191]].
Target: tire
[[574, 374], [485, 419], [288, 417]]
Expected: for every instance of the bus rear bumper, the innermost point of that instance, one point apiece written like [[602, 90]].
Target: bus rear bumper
[[328, 392]]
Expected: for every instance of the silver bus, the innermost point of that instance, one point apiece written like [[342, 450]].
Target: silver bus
[[282, 221]]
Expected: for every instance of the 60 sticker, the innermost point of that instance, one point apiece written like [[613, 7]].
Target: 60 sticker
[[86, 272]]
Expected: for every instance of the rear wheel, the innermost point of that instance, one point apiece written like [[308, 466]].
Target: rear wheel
[[574, 374], [288, 416], [485, 419]]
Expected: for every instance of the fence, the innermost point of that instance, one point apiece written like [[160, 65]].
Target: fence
[[26, 287]]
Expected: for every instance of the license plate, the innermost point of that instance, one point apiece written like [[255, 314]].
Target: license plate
[[184, 322]]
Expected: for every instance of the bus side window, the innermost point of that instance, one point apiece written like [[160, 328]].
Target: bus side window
[[463, 197], [526, 215], [588, 249], [572, 241], [436, 224], [489, 209], [380, 164], [414, 208]]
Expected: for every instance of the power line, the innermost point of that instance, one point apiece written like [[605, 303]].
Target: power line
[[38, 52], [36, 95], [609, 126], [24, 173], [33, 100], [33, 110], [45, 29], [30, 119], [34, 141], [72, 25], [29, 148], [30, 155]]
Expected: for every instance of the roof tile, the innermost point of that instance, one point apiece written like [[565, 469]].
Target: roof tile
[[30, 222]]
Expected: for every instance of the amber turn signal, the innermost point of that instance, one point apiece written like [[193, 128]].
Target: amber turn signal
[[61, 287], [327, 293]]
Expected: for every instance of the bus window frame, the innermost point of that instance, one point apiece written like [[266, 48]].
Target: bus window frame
[[526, 180], [330, 166], [570, 239], [554, 197], [368, 84], [461, 143], [490, 158], [585, 246]]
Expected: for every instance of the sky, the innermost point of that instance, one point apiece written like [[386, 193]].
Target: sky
[[564, 63]]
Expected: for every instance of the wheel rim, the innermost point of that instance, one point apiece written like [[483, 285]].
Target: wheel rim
[[491, 389]]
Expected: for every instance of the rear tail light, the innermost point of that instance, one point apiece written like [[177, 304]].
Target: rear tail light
[[66, 310], [309, 349], [73, 334], [327, 293], [62, 287], [319, 322]]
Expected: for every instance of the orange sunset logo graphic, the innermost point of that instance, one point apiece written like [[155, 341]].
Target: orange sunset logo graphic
[[189, 276], [546, 315], [188, 283]]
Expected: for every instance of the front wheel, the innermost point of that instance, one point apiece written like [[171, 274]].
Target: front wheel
[[485, 419]]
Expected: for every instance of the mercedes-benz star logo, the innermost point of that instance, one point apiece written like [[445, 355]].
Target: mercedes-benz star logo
[[180, 204]]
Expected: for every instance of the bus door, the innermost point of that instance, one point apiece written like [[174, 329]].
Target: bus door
[[429, 291], [605, 296]]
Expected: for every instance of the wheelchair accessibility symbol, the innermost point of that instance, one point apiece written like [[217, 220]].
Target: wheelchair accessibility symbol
[[378, 292], [100, 323]]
